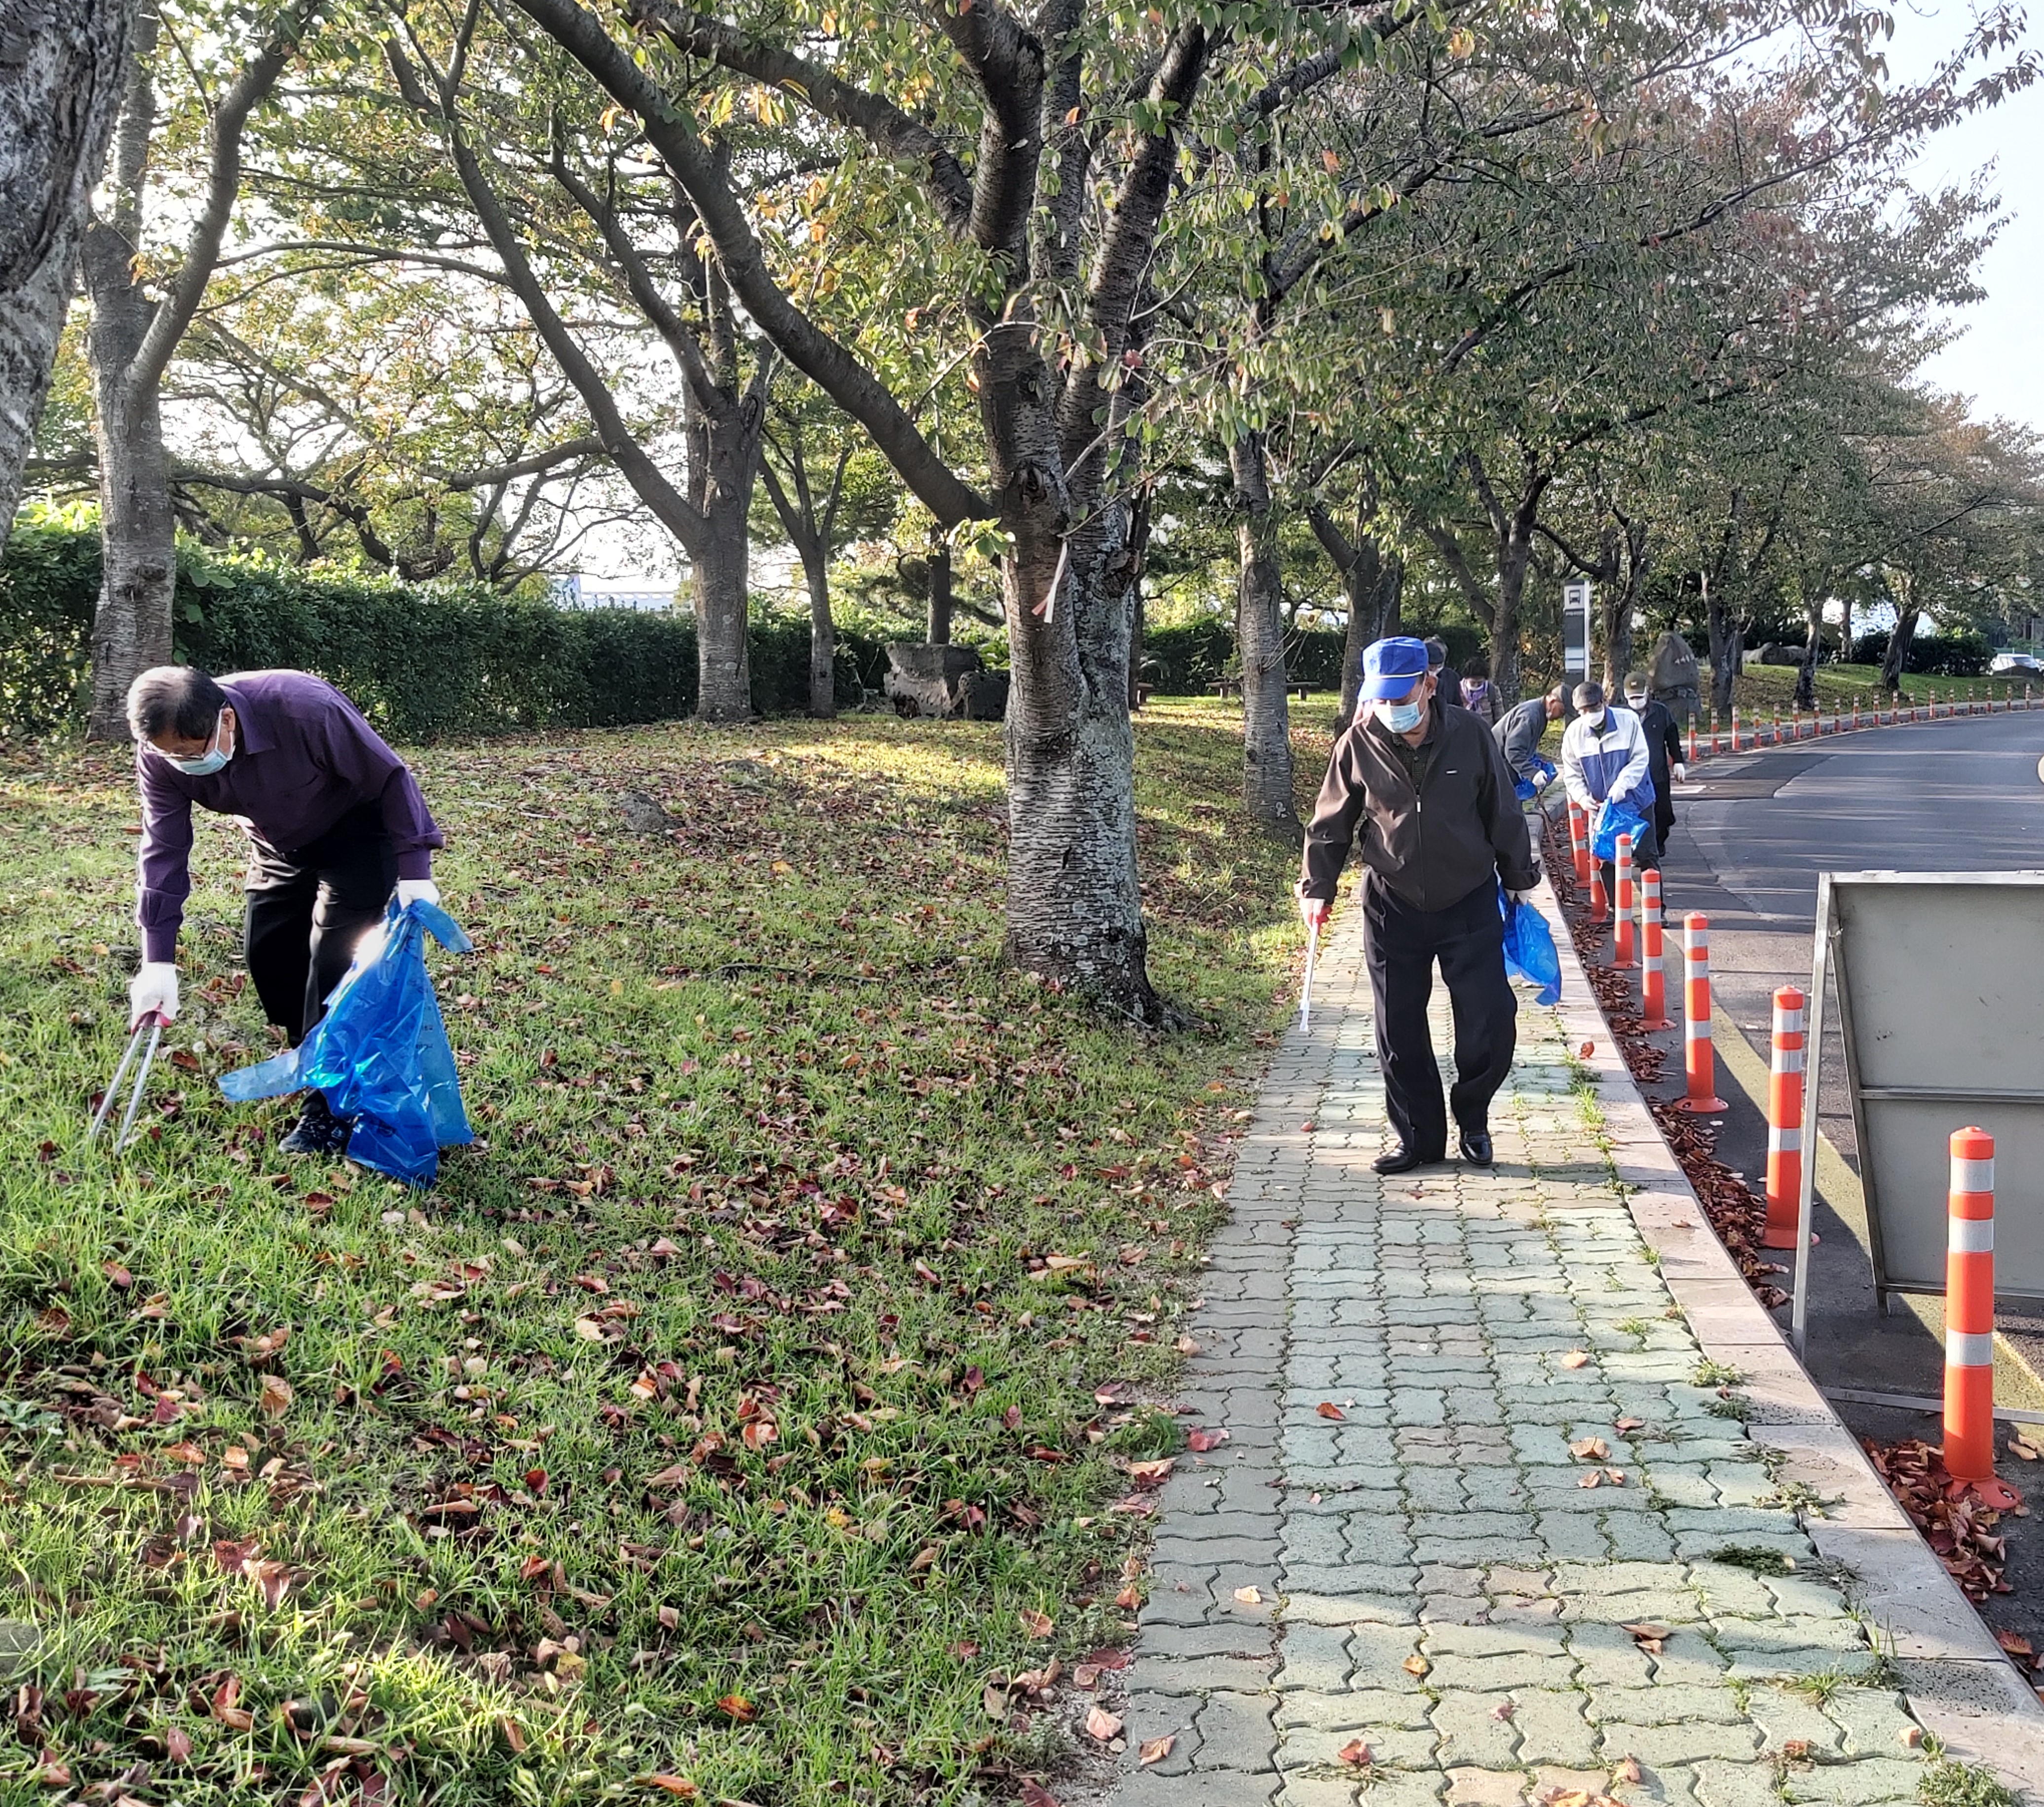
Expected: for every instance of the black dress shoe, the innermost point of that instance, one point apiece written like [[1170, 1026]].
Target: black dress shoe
[[1476, 1147], [319, 1132], [1402, 1160]]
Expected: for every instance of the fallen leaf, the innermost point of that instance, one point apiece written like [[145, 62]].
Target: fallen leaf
[[1085, 1676], [1355, 1754], [1036, 1794], [1590, 1449], [1154, 1750], [177, 1743], [1034, 1625], [1626, 1769], [1199, 1441], [1911, 1737], [1505, 1709], [737, 1707], [1416, 1664], [1327, 1408], [1626, 1426], [1649, 1637], [1250, 1596], [1594, 1478], [1796, 1750], [1102, 1725], [1151, 1473], [671, 1784], [1575, 1358], [276, 1396]]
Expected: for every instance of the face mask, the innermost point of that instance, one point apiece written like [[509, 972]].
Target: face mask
[[1400, 717], [1635, 704], [1595, 718], [209, 762]]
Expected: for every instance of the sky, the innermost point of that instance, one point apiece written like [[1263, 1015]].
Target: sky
[[1999, 358]]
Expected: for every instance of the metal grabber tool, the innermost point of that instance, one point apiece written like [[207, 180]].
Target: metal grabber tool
[[1306, 991], [153, 1024]]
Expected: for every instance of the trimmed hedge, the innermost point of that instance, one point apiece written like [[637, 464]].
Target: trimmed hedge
[[1185, 661], [421, 661], [1957, 653]]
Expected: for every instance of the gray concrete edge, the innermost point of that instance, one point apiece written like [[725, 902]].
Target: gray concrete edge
[[1959, 1686]]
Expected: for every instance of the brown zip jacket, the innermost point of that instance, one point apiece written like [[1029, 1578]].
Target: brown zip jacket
[[1461, 828]]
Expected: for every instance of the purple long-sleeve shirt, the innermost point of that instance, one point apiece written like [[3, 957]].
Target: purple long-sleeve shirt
[[303, 759]]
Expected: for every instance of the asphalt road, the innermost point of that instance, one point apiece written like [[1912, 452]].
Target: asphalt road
[[1753, 833]]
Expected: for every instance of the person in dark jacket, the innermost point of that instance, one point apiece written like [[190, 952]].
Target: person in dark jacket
[[1480, 695], [335, 823], [1427, 790], [1520, 734], [1664, 752]]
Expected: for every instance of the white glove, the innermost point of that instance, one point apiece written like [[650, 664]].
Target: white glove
[[1680, 772], [417, 890], [1520, 897], [155, 988]]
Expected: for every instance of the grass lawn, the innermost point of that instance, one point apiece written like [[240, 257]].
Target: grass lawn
[[1763, 686], [741, 1418]]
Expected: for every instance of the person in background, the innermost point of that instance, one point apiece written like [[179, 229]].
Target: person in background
[[1603, 754], [1664, 753], [1480, 695], [335, 823], [1518, 734], [1407, 757], [1446, 686]]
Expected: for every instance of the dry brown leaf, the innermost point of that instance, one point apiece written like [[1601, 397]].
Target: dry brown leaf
[[1911, 1737], [1086, 1675], [1594, 1478], [1416, 1664], [1156, 1750], [1102, 1725], [276, 1397], [1576, 1358], [1034, 1625], [1199, 1441], [670, 1784], [1625, 1426], [1355, 1754], [733, 1706], [1590, 1449], [1625, 1769], [1250, 1596], [1327, 1408]]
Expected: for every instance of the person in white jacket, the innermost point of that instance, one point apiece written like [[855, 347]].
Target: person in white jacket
[[1604, 755]]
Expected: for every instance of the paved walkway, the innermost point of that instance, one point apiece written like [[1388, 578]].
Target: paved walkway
[[1409, 1539]]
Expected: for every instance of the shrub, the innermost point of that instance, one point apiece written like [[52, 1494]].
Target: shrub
[[1184, 661], [1958, 652], [421, 660]]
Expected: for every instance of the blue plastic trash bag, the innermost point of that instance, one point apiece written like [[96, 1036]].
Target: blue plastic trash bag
[[1529, 948], [1526, 789], [381, 1053], [1613, 820]]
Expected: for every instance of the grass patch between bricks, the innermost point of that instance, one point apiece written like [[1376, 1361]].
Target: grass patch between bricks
[[727, 1419]]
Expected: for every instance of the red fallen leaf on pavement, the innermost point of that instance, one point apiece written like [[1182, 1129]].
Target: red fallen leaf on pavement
[[1355, 1754], [737, 1707], [1576, 1358], [1625, 1426], [1156, 1750], [2013, 1643], [1036, 1794], [1199, 1441], [1327, 1408], [1586, 1050], [1034, 1625], [1102, 1725]]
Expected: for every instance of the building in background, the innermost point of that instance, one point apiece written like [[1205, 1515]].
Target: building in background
[[577, 591]]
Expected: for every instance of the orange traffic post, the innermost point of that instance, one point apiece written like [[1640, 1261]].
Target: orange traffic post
[[1969, 1309], [1579, 843], [1692, 739], [1784, 1122], [1622, 956], [1700, 1058], [1717, 744], [1599, 901], [1653, 983], [1777, 725], [1734, 728], [1855, 708]]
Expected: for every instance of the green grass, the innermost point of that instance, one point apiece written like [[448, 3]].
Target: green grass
[[731, 1413], [1950, 1784], [1764, 687]]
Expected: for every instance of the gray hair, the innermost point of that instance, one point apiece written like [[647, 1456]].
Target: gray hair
[[1437, 653], [175, 699], [1589, 696], [1559, 696]]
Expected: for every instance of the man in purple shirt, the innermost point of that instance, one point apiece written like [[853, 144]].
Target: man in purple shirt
[[334, 820]]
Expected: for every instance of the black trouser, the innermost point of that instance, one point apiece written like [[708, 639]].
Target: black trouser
[[1645, 857], [305, 911], [1402, 944]]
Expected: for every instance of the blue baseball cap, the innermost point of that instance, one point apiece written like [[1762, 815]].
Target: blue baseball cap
[[1391, 667]]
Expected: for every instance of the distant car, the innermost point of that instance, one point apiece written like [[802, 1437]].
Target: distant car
[[2015, 665]]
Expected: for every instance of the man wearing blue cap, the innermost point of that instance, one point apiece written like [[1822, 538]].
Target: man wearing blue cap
[[1431, 792]]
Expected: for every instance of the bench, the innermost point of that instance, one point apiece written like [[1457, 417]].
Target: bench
[[1227, 687]]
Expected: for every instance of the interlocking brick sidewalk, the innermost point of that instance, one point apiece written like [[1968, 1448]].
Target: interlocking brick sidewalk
[[1431, 1572]]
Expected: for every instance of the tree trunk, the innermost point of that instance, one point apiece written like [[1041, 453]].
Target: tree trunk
[[1899, 642], [1259, 641], [63, 71], [1727, 652], [823, 636], [1139, 548], [1813, 645], [131, 628], [723, 658], [1373, 584], [1504, 622], [940, 589]]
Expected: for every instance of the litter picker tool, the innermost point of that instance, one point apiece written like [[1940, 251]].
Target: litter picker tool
[[1306, 991], [152, 1023]]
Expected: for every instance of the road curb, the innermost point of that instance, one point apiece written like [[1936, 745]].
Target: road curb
[[1961, 1688]]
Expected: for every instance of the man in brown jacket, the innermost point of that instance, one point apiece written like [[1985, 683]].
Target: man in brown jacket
[[1440, 826]]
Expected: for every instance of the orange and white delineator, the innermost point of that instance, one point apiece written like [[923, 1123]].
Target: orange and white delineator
[[1784, 1122], [1653, 981], [1622, 956], [1699, 1058], [1969, 1309]]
